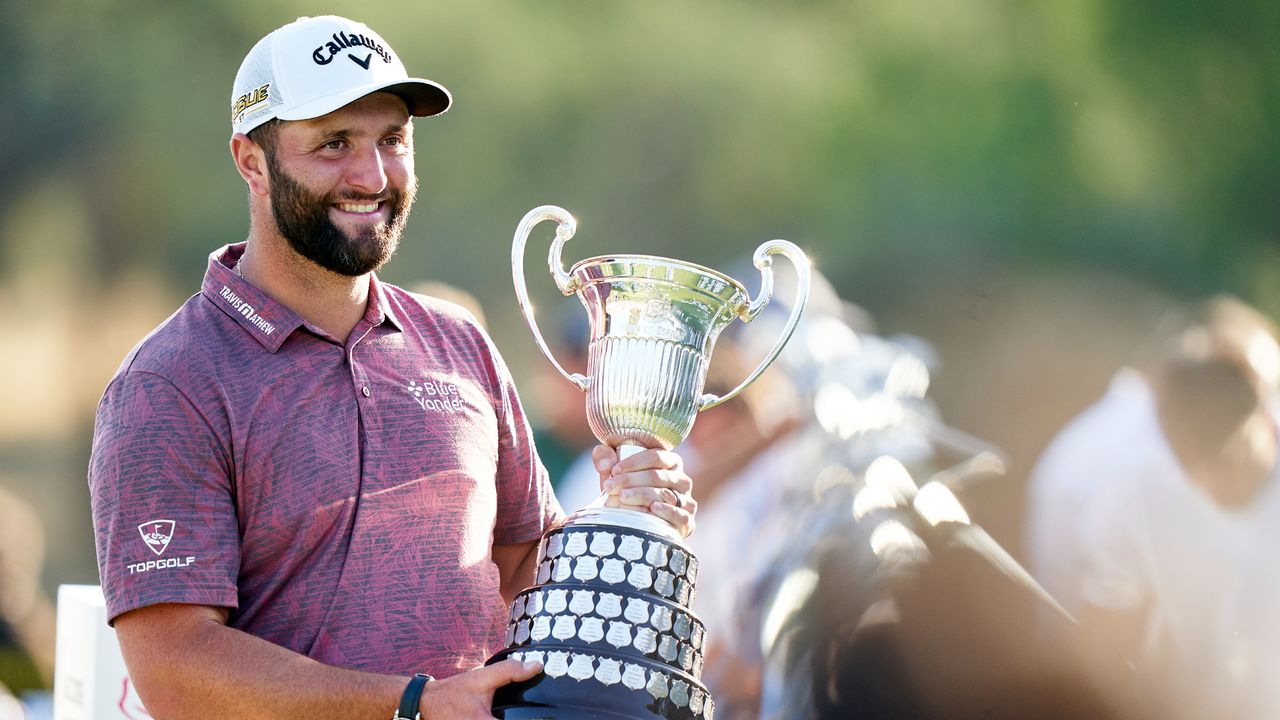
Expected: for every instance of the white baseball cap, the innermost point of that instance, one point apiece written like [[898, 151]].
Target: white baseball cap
[[315, 65]]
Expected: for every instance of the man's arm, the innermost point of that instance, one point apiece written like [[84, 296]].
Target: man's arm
[[516, 567], [186, 663]]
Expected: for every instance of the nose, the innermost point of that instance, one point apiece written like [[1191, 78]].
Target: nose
[[368, 173]]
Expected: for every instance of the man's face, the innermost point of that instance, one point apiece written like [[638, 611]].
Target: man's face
[[342, 184]]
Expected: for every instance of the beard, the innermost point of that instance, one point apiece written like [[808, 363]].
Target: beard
[[303, 219]]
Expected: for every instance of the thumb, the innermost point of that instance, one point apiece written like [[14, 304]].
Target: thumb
[[509, 671], [603, 458]]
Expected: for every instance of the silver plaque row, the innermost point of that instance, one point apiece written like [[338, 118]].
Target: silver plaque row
[[614, 571], [581, 603], [609, 671], [601, 544], [664, 646]]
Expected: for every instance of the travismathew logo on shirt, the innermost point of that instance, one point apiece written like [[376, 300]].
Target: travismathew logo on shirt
[[250, 313]]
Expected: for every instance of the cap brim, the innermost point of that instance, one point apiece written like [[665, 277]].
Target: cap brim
[[423, 98]]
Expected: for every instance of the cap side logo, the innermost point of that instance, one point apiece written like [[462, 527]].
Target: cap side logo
[[157, 534], [338, 42], [249, 101]]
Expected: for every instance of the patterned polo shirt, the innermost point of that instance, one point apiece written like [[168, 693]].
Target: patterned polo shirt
[[341, 499]]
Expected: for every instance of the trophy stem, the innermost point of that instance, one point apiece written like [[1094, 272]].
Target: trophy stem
[[626, 450]]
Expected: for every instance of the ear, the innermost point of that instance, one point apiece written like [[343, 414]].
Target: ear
[[251, 163]]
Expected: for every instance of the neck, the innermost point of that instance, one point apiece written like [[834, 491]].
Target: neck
[[328, 300]]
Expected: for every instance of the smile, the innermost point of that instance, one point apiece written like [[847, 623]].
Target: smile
[[363, 208]]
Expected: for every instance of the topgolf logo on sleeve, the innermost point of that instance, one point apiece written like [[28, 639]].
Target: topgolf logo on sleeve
[[157, 534]]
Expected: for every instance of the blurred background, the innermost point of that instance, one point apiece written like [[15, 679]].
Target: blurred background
[[1025, 186]]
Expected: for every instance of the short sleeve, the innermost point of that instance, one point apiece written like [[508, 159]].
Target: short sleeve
[[163, 501], [527, 505]]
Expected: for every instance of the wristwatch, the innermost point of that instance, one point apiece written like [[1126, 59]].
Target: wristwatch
[[412, 696]]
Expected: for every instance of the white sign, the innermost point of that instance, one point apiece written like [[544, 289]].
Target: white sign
[[90, 681]]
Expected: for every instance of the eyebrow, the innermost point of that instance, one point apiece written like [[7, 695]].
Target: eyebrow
[[342, 132]]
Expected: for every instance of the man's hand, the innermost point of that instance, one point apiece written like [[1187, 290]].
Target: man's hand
[[652, 481], [469, 695]]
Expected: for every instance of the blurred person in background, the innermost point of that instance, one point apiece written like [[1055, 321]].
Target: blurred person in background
[[26, 614], [560, 427], [751, 456], [1155, 516], [309, 485], [850, 580]]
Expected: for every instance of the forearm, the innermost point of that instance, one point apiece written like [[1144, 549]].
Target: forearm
[[205, 669], [517, 567]]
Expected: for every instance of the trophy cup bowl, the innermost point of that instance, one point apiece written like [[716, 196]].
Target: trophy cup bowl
[[609, 614]]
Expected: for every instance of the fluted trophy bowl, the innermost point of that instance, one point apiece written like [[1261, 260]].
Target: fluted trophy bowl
[[609, 615], [653, 324]]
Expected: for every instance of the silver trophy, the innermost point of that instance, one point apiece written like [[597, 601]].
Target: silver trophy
[[609, 616]]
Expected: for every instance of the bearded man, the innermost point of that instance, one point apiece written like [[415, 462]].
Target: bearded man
[[310, 485]]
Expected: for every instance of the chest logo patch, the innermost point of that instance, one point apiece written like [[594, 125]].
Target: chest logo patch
[[435, 395], [157, 534]]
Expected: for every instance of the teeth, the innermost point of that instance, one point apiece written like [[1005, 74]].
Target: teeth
[[353, 207]]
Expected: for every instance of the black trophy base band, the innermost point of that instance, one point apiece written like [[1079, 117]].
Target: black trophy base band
[[557, 713], [565, 698], [547, 698]]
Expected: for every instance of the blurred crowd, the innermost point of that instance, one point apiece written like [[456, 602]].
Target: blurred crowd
[[843, 572]]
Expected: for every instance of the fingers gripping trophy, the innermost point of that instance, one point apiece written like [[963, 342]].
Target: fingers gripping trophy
[[609, 614]]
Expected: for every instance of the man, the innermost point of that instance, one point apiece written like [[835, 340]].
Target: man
[[1171, 567], [309, 485]]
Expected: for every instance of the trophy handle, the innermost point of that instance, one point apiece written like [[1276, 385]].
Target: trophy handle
[[763, 260], [564, 281]]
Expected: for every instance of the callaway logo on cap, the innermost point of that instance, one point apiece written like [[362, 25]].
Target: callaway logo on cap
[[315, 65]]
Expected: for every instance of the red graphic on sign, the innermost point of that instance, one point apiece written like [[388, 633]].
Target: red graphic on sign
[[131, 705]]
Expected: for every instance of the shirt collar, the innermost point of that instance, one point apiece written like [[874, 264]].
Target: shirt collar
[[268, 321], [380, 308]]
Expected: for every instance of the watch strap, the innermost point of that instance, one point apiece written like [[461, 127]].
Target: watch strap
[[411, 698]]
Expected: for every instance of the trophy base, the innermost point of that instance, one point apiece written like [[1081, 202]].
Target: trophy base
[[536, 713], [564, 698], [630, 519], [556, 714]]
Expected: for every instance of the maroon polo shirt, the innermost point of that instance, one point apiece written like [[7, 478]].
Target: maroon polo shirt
[[341, 499]]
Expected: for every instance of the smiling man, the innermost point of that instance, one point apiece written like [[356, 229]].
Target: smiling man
[[310, 485]]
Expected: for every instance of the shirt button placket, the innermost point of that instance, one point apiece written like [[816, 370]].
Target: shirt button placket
[[356, 375]]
